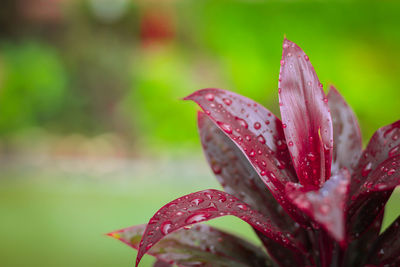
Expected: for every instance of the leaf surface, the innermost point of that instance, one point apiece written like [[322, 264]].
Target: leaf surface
[[347, 141], [201, 245], [305, 115], [203, 206], [258, 134], [326, 206], [386, 250]]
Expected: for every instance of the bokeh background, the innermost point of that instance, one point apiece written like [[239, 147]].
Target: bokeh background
[[93, 134]]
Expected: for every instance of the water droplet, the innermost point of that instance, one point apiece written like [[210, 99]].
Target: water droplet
[[197, 201], [391, 171], [257, 125], [284, 125], [394, 151], [261, 139], [225, 127], [197, 217], [209, 97], [242, 122], [248, 138], [149, 246], [306, 58], [263, 173], [325, 209], [166, 227], [252, 153], [311, 156], [366, 170], [242, 206], [179, 213], [325, 100], [282, 62], [290, 143], [227, 101], [216, 168]]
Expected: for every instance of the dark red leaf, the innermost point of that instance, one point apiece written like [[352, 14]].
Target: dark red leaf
[[203, 206], [384, 144], [259, 135], [327, 205], [366, 200], [238, 177], [347, 141], [386, 250], [201, 245], [305, 115]]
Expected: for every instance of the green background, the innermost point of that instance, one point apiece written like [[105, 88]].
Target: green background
[[94, 136]]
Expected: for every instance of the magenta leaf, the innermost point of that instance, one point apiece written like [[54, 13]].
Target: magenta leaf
[[386, 250], [203, 206], [239, 178], [368, 189], [201, 245], [305, 115], [325, 206], [236, 174], [347, 141], [384, 144], [259, 135]]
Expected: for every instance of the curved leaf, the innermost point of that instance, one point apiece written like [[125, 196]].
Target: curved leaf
[[347, 140], [238, 177], [203, 206], [327, 205], [305, 116], [384, 144], [259, 135], [386, 250], [201, 245]]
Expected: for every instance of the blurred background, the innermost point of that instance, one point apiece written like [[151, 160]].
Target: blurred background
[[93, 134]]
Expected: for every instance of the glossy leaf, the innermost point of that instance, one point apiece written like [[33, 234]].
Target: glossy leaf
[[236, 174], [327, 205], [305, 115], [203, 206], [386, 250], [201, 245], [347, 141], [259, 135], [384, 144], [238, 177]]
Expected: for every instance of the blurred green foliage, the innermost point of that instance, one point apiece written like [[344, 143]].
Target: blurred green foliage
[[92, 72]]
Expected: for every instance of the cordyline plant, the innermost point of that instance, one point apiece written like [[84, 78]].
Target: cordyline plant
[[313, 196]]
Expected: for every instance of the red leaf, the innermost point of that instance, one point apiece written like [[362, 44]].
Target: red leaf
[[203, 206], [201, 245], [305, 116], [236, 174], [384, 144], [238, 177], [259, 135], [347, 141], [386, 250], [325, 206]]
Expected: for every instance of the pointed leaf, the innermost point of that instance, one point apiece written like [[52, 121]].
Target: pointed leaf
[[327, 205], [375, 164], [235, 173], [384, 144], [386, 250], [305, 116], [201, 245], [347, 141], [259, 135], [203, 206], [239, 178]]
